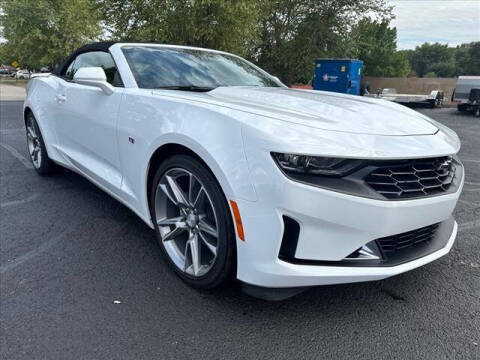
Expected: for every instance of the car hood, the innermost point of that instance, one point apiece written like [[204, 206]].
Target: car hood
[[326, 111]]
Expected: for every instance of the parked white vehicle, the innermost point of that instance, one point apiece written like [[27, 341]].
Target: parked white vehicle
[[240, 175], [22, 74]]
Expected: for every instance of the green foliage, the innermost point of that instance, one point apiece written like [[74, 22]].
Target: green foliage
[[43, 32], [445, 61], [5, 57], [293, 33], [467, 59], [218, 24], [282, 36], [375, 43], [435, 58]]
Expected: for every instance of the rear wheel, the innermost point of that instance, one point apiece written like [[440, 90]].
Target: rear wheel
[[462, 107], [36, 148], [193, 222]]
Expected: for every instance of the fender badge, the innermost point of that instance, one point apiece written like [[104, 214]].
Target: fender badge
[[131, 140]]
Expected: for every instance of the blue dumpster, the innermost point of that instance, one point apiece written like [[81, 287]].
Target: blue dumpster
[[338, 75]]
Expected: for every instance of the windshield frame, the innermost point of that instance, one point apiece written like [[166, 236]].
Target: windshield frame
[[180, 47]]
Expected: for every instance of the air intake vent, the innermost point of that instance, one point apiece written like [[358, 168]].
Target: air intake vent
[[413, 178], [291, 231], [394, 244]]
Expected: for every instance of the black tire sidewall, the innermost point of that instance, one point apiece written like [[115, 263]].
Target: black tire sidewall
[[224, 265]]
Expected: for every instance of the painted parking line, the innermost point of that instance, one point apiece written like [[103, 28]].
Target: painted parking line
[[469, 202], [12, 131], [469, 225], [17, 155], [474, 189], [12, 264], [19, 202], [31, 254], [471, 160], [472, 183]]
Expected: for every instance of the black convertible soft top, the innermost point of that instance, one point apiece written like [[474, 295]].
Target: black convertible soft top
[[98, 46]]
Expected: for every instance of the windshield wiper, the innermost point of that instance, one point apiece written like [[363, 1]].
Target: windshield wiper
[[186, 88]]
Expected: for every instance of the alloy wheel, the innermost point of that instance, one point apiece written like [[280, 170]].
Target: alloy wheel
[[187, 221], [34, 145]]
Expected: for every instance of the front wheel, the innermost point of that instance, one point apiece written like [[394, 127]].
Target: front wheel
[[193, 222]]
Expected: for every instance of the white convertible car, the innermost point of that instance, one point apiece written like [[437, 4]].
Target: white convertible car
[[242, 177]]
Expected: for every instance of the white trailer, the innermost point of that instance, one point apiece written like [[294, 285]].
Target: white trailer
[[466, 94], [435, 98]]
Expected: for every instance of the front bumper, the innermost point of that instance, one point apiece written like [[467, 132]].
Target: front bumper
[[332, 226]]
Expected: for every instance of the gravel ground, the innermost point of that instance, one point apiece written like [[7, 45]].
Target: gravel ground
[[82, 278]]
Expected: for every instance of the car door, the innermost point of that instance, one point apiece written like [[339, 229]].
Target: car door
[[87, 121]]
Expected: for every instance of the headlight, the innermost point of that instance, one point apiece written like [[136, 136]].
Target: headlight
[[316, 165]]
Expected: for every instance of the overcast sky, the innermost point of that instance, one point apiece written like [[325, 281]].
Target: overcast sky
[[445, 21]]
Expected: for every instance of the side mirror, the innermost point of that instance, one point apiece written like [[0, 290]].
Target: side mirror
[[93, 76], [278, 80]]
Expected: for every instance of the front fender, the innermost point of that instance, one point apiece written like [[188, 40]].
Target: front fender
[[211, 133], [230, 170]]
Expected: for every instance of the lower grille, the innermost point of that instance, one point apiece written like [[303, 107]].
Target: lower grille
[[413, 178], [391, 245]]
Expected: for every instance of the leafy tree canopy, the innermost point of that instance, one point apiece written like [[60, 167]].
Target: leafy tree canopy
[[218, 24], [293, 33], [375, 43], [282, 36], [43, 32], [432, 58]]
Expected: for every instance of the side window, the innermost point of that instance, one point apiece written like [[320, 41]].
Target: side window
[[69, 73], [97, 58]]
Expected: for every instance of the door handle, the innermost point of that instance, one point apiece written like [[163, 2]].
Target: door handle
[[61, 98]]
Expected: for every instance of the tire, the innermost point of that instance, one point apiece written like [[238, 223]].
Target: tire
[[36, 145], [462, 107], [477, 111], [188, 227]]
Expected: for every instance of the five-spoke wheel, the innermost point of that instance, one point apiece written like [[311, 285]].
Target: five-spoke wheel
[[36, 148], [187, 221], [33, 142], [193, 223]]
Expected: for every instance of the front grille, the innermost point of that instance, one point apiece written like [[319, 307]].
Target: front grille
[[413, 178], [393, 244]]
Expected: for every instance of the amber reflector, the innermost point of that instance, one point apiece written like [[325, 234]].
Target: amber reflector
[[238, 220]]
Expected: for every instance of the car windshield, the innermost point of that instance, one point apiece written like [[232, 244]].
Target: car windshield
[[188, 69]]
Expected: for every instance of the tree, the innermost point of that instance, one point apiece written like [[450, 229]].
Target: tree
[[218, 24], [435, 58], [467, 59], [293, 33], [43, 32], [5, 57], [375, 43]]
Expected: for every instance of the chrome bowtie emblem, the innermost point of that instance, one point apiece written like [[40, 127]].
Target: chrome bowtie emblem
[[446, 163]]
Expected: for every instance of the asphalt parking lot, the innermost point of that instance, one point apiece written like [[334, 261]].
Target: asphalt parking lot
[[83, 278]]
